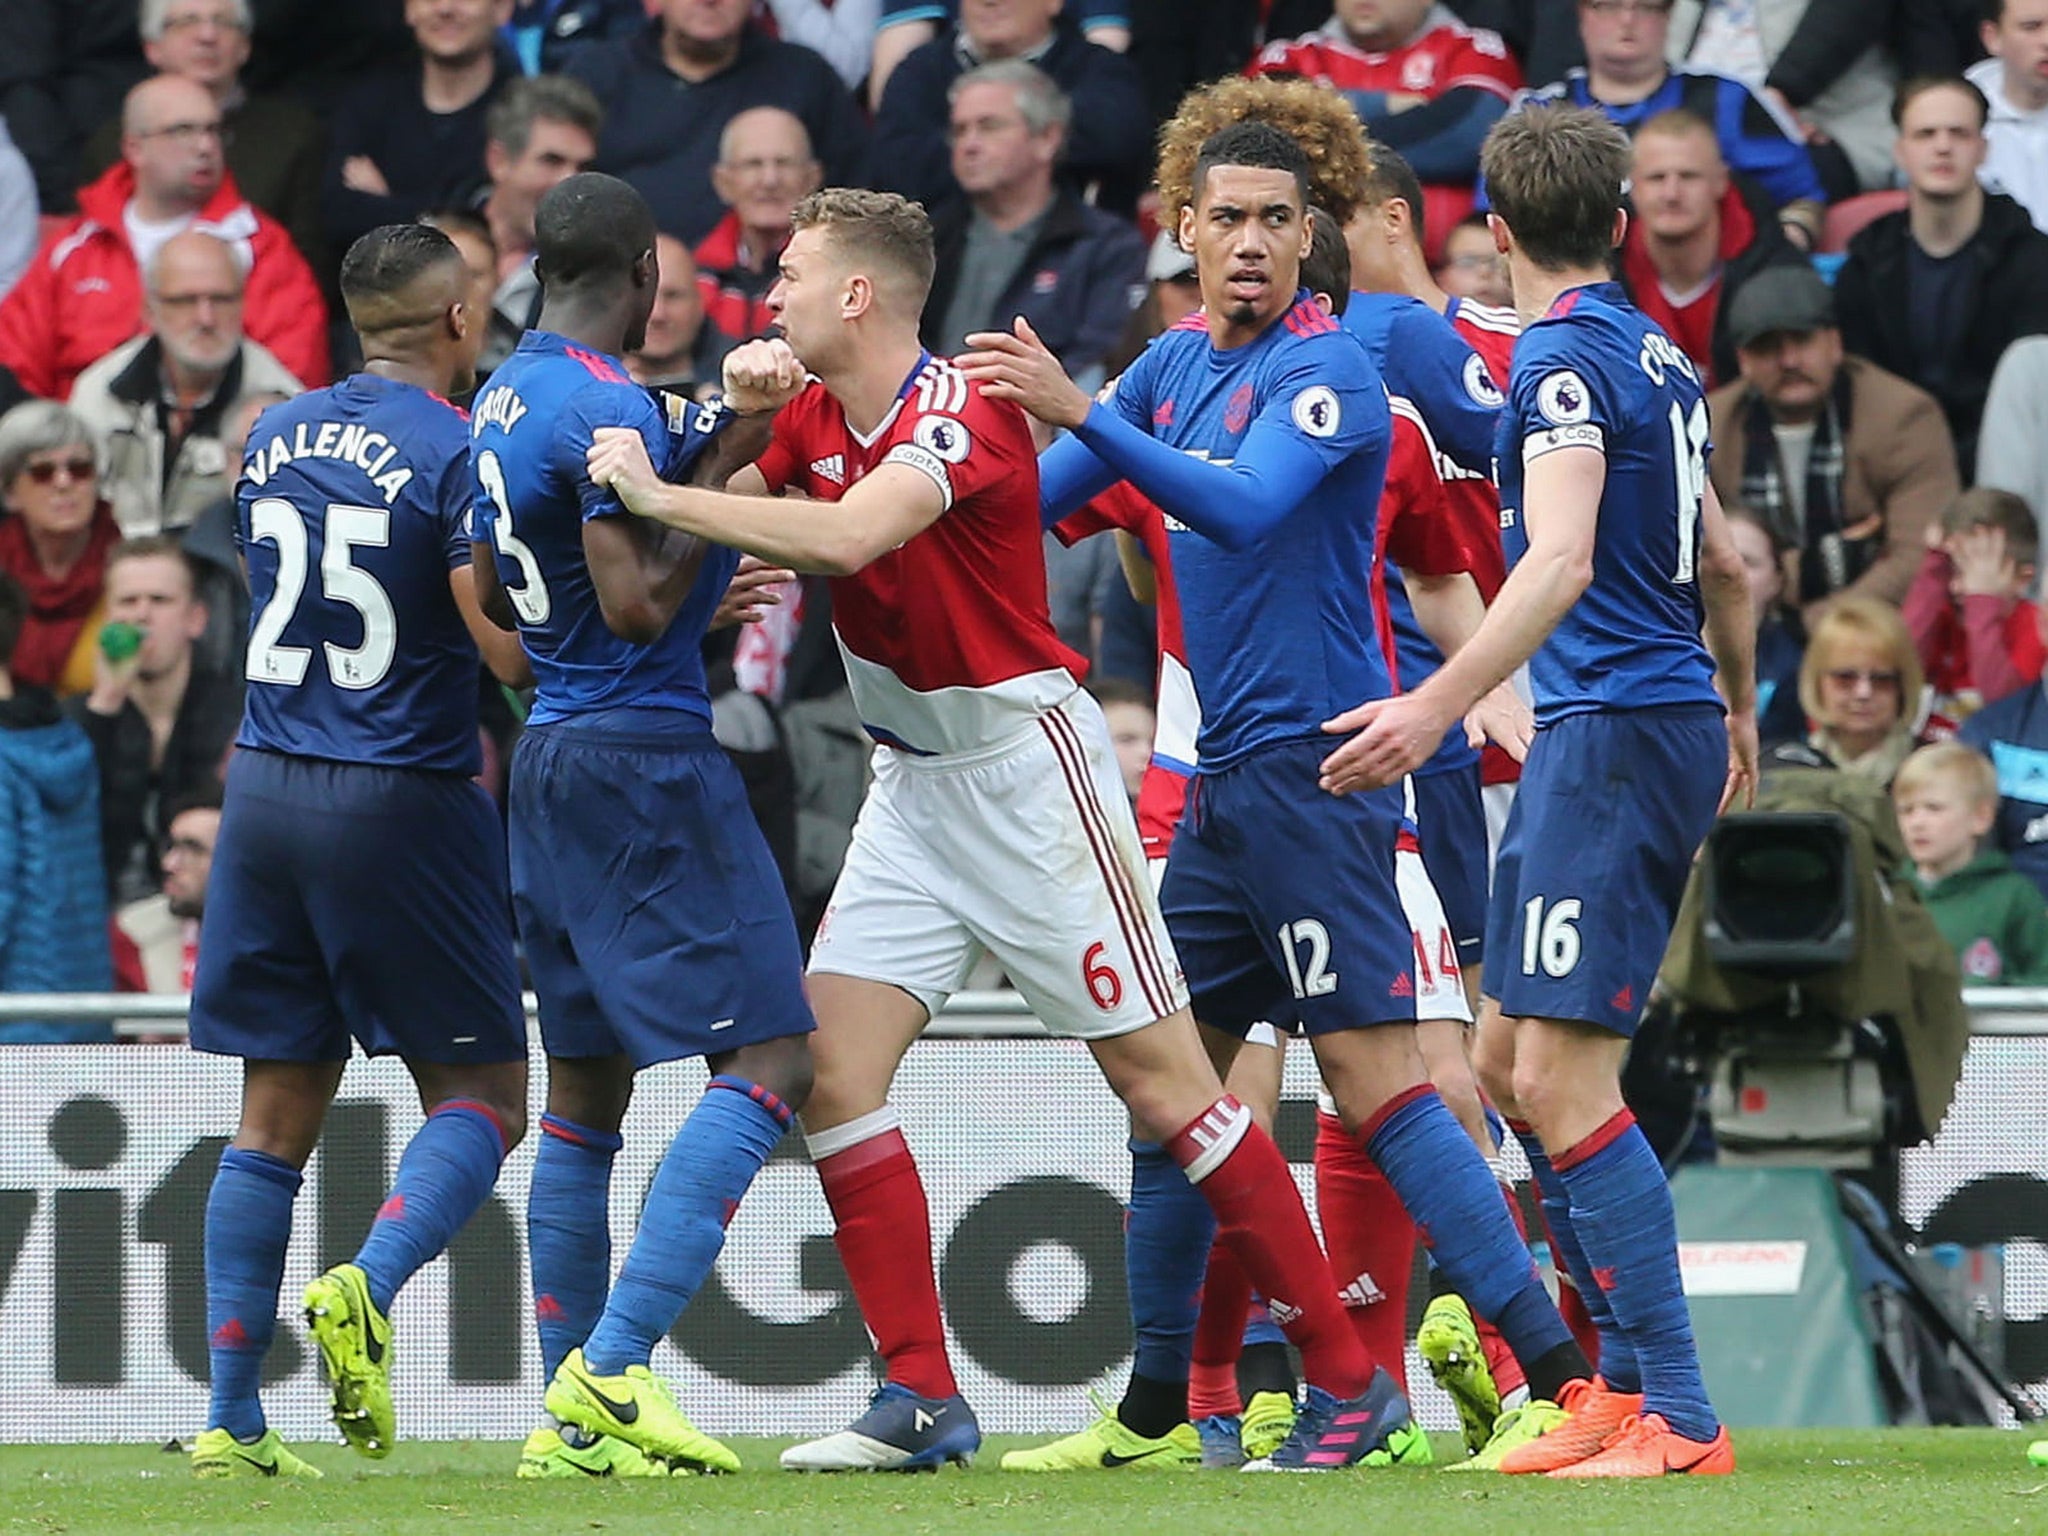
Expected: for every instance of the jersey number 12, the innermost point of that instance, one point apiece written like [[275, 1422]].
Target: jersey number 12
[[1689, 455]]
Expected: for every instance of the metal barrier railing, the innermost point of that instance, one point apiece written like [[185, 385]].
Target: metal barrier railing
[[969, 1016]]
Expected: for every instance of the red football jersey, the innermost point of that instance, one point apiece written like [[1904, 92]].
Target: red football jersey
[[1446, 56], [947, 640], [1177, 714]]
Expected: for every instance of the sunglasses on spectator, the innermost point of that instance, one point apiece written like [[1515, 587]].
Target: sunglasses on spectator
[[1877, 681], [46, 472]]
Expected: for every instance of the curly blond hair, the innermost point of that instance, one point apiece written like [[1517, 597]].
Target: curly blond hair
[[1314, 116]]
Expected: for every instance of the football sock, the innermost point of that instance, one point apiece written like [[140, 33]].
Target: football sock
[[702, 1178], [1617, 1359], [1166, 1246], [248, 1225], [1219, 1336], [1371, 1243], [569, 1234], [1508, 1376], [1455, 1204], [1259, 1213], [1266, 1368], [445, 1173], [883, 1229], [1621, 1207]]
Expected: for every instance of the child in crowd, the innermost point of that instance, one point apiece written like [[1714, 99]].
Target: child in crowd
[[1128, 709], [1993, 916], [1977, 634], [1780, 640]]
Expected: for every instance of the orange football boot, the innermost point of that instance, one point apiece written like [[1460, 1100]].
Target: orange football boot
[[1593, 1414], [1648, 1447]]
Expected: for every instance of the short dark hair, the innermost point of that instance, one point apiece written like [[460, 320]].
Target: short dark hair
[[591, 228], [1392, 177], [1259, 146], [541, 99], [1555, 176], [13, 614], [390, 258], [1327, 267], [205, 795], [1913, 88]]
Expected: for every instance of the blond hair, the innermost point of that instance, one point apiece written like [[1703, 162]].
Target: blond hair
[[1849, 619], [1949, 762], [881, 227]]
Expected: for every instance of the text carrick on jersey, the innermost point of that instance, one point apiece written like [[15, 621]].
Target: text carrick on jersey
[[534, 421], [948, 643], [1596, 373], [350, 514]]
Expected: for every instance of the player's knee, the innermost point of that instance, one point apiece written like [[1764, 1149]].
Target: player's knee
[[1494, 1072], [783, 1066]]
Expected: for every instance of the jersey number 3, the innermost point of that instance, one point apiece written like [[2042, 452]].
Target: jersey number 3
[[274, 520], [530, 599]]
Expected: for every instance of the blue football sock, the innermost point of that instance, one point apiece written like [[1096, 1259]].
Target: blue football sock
[[708, 1167], [1166, 1254], [446, 1172], [1621, 1206], [1617, 1358], [248, 1225], [569, 1234], [1454, 1200]]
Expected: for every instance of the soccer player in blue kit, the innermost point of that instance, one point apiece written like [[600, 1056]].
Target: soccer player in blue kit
[[1262, 428], [1620, 554], [655, 923], [358, 884]]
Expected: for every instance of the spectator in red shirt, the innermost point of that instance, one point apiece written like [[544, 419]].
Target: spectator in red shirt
[[1422, 82], [82, 295], [1696, 236], [1977, 635], [765, 168]]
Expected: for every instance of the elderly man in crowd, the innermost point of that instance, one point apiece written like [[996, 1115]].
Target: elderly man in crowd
[[765, 168]]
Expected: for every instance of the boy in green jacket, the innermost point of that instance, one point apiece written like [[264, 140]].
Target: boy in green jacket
[[1993, 916]]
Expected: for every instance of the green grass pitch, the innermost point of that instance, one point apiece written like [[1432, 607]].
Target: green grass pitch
[[1840, 1483]]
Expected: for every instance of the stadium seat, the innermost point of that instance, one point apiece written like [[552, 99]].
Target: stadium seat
[[1851, 214]]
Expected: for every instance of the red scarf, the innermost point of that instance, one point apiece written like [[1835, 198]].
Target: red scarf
[[58, 606]]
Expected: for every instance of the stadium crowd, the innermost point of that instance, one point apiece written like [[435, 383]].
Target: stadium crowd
[[1839, 215]]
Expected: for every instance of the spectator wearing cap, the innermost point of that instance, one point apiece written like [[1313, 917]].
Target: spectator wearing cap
[[1847, 463], [1022, 245], [1108, 139], [1937, 291], [275, 146], [1697, 236], [765, 168]]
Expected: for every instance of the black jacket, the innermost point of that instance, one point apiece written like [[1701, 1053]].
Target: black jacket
[[64, 70], [1078, 283], [661, 132], [1109, 140], [2009, 300]]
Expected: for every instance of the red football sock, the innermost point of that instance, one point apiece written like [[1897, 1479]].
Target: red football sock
[[1260, 1215], [1371, 1241], [1219, 1334], [883, 1229], [1508, 1375]]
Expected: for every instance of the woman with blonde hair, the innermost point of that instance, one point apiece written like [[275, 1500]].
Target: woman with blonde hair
[[1861, 686]]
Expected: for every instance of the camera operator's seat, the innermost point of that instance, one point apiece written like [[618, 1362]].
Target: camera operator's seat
[[1811, 981]]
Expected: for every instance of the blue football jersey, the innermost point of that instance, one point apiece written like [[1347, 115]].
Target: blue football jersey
[[1596, 372], [1288, 632], [351, 511], [1425, 361], [533, 423]]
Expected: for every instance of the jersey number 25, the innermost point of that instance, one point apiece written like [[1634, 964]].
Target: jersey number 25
[[274, 520]]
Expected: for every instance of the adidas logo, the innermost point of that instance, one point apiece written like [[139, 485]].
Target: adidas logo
[[1623, 1001], [230, 1335], [832, 467], [1283, 1314], [1604, 1277], [1404, 986], [548, 1310], [392, 1209], [1362, 1292]]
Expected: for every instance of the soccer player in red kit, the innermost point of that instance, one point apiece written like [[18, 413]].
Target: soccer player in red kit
[[997, 822]]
